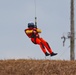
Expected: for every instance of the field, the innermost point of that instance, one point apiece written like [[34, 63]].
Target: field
[[37, 67]]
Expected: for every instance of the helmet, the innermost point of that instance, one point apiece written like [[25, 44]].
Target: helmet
[[30, 25]]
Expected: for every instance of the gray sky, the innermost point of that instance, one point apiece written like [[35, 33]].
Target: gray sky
[[53, 18]]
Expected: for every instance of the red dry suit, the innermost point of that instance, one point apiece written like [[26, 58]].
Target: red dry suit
[[33, 34]]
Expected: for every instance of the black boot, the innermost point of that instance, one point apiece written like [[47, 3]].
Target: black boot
[[47, 54], [53, 54]]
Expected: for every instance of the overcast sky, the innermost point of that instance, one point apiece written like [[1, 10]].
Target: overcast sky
[[53, 18]]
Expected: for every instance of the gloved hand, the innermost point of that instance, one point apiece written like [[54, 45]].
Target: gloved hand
[[34, 31]]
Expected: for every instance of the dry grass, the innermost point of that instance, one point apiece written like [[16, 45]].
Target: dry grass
[[37, 67]]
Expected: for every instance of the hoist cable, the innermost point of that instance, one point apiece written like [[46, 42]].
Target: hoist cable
[[35, 14], [35, 7]]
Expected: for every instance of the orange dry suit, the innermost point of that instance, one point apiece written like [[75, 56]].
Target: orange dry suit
[[33, 34]]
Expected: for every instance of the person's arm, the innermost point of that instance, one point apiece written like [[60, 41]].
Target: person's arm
[[29, 31], [39, 30]]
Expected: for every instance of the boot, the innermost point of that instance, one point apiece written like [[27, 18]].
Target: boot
[[47, 54], [53, 54]]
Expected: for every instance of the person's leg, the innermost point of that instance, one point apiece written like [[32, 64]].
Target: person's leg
[[38, 41], [48, 47]]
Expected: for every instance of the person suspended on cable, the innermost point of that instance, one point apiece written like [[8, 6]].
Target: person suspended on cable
[[33, 33]]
